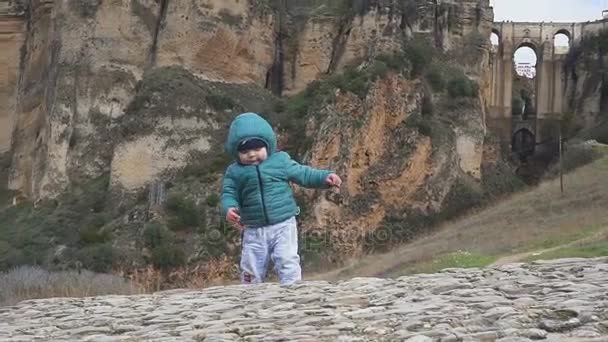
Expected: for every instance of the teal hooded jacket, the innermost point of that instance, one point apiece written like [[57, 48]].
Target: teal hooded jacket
[[262, 192]]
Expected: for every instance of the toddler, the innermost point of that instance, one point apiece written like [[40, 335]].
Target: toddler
[[257, 198]]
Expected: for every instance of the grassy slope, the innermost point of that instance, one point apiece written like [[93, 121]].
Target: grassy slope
[[539, 223]]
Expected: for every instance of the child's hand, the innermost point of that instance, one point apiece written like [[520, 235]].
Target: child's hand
[[333, 180], [233, 217]]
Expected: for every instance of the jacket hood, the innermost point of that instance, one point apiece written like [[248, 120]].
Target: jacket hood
[[247, 126]]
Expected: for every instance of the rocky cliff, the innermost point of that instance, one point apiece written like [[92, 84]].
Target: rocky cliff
[[138, 95], [587, 87], [82, 60]]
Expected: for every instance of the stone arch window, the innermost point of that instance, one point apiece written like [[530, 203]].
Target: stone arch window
[[561, 42], [525, 59], [495, 38]]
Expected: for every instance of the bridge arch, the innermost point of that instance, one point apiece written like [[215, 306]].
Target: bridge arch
[[495, 41], [549, 84], [496, 33], [562, 42], [523, 143], [563, 31]]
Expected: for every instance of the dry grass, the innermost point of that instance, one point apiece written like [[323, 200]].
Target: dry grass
[[527, 221], [32, 282], [222, 271]]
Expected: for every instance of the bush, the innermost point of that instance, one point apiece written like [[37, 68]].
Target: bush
[[98, 257], [435, 79], [499, 181], [462, 196], [462, 86], [574, 157], [397, 62], [93, 235], [420, 54], [160, 240], [5, 193], [427, 107], [184, 212], [204, 167], [156, 234], [423, 125], [398, 228], [168, 256], [220, 102], [213, 200], [73, 220]]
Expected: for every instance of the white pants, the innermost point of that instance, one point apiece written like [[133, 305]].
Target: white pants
[[277, 242]]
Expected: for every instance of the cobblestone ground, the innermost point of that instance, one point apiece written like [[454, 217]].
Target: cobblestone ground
[[564, 300]]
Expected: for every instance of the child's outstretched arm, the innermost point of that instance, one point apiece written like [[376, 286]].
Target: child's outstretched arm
[[310, 177]]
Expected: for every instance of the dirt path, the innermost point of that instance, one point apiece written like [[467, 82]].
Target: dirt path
[[509, 259]]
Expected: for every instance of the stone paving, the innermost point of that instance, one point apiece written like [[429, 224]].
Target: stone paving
[[563, 300]]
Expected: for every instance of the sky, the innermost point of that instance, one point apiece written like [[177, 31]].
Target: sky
[[546, 10]]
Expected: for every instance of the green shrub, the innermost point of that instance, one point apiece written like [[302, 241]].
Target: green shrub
[[397, 62], [213, 200], [168, 256], [423, 125], [85, 8], [500, 180], [355, 81], [427, 107], [98, 257], [462, 196], [435, 79], [5, 193], [378, 69], [397, 228], [574, 157], [94, 235], [420, 54], [204, 166], [73, 219], [184, 212], [160, 240], [462, 86], [156, 235], [10, 256], [220, 102]]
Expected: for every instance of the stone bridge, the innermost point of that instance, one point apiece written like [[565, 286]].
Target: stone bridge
[[550, 81]]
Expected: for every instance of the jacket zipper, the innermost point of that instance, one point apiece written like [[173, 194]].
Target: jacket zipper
[[257, 169]]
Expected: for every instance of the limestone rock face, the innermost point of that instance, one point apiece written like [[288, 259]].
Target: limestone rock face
[[584, 92], [81, 63], [394, 169], [230, 41], [560, 300], [12, 32]]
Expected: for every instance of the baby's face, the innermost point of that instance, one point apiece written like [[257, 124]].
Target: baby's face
[[254, 156]]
